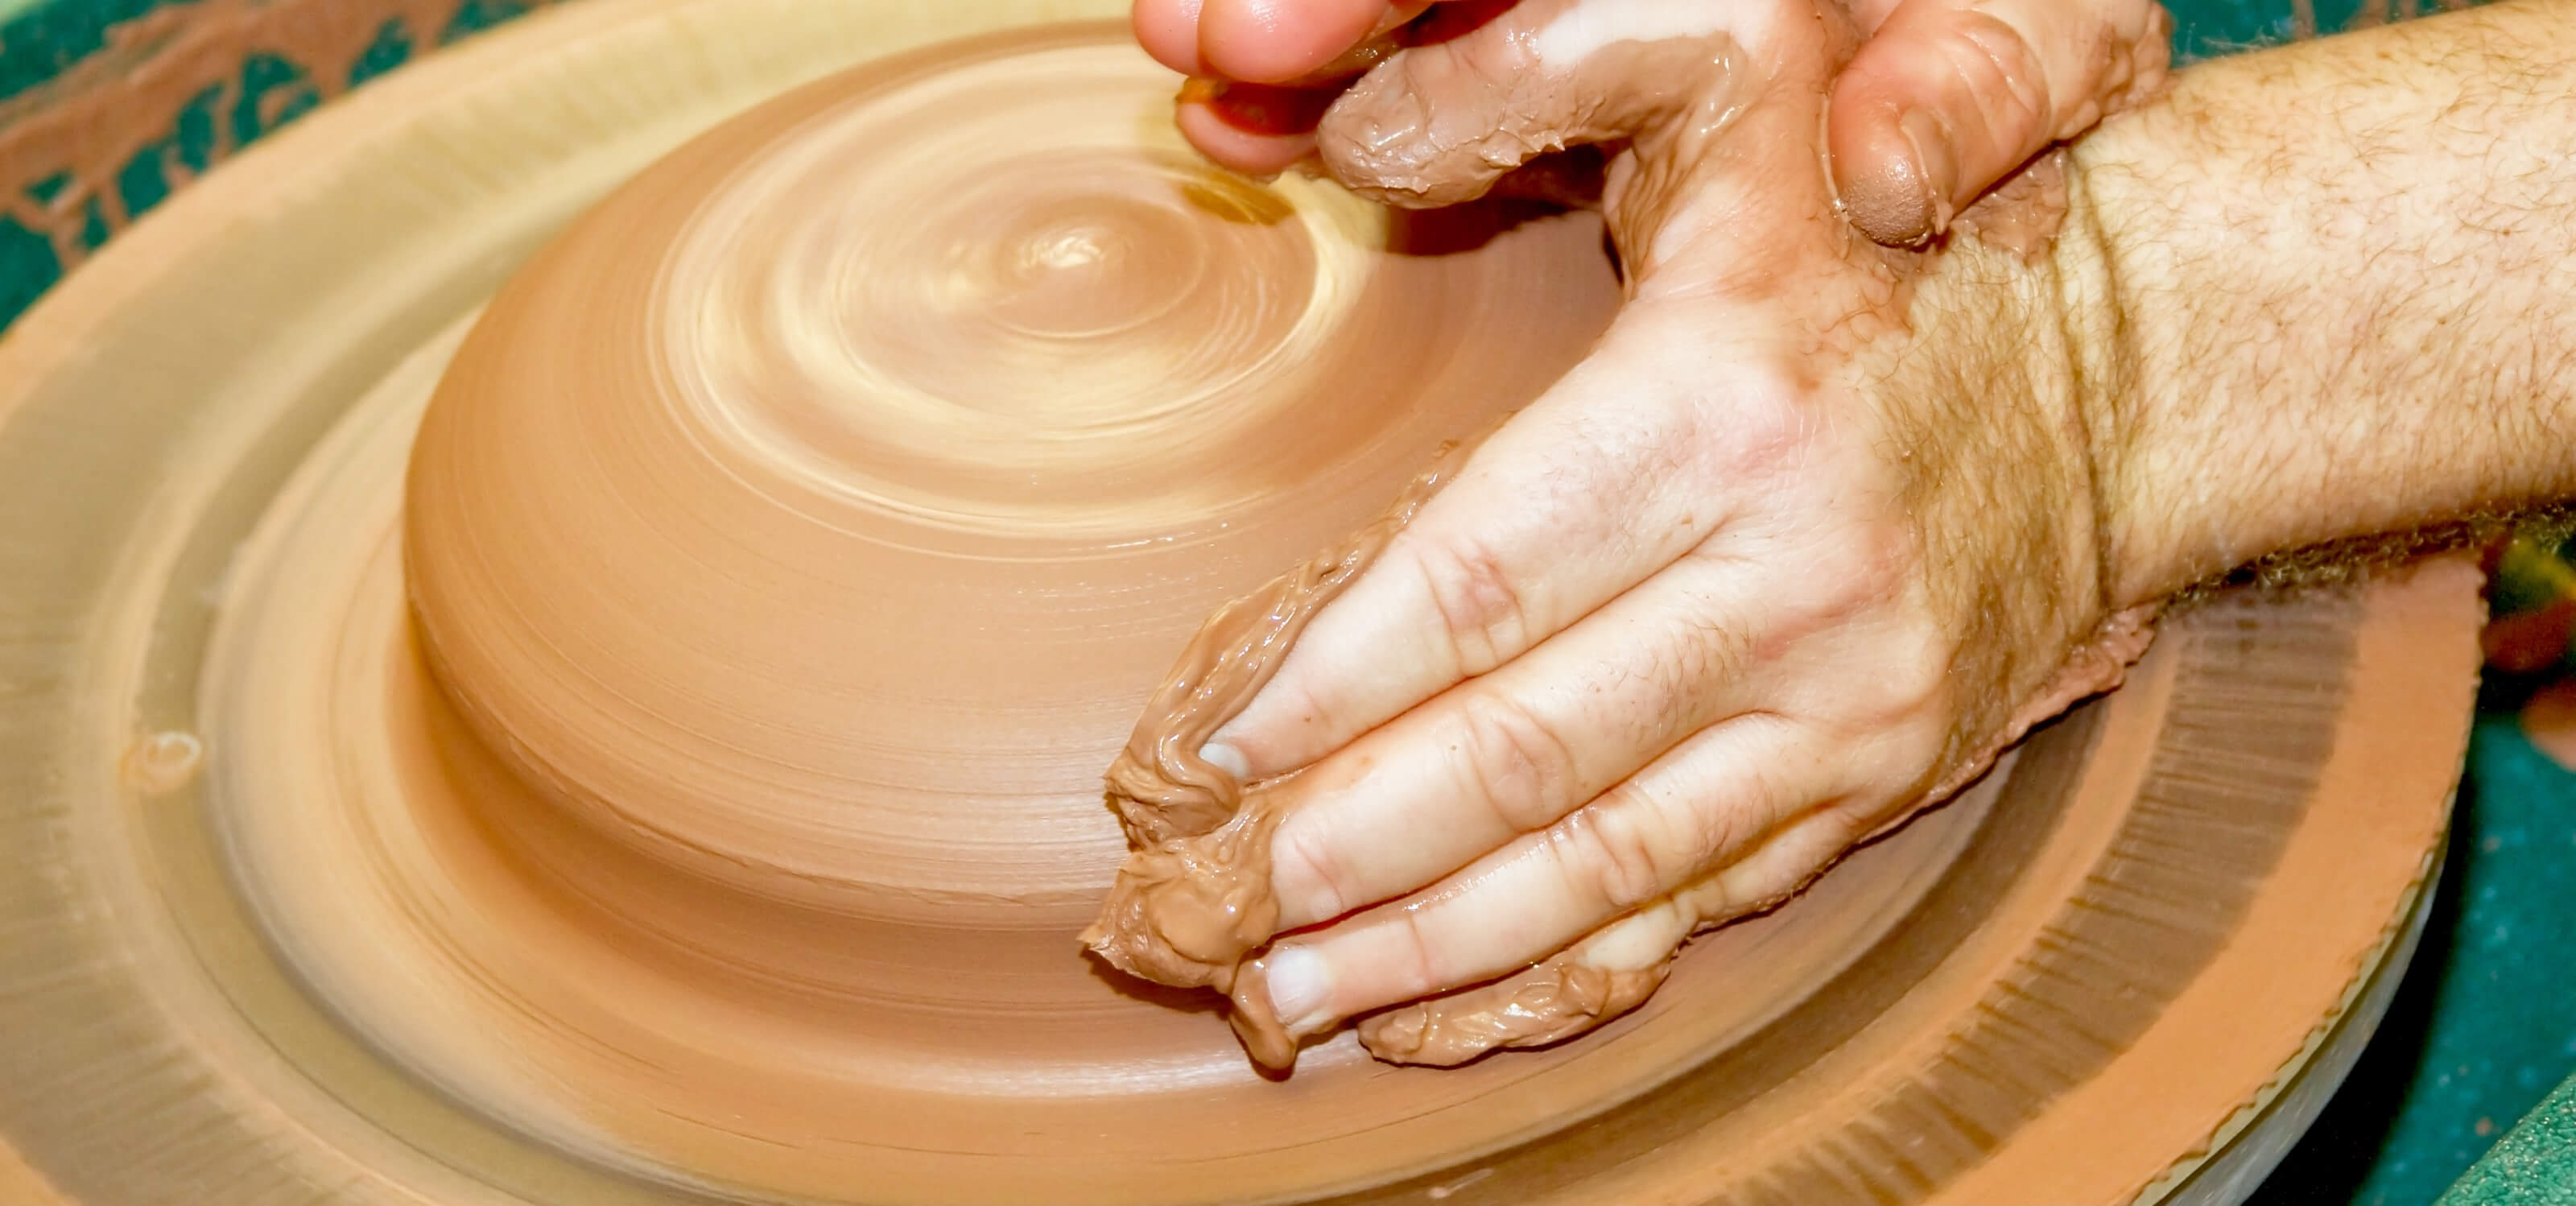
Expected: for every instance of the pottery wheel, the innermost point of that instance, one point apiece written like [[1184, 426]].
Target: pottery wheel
[[857, 469]]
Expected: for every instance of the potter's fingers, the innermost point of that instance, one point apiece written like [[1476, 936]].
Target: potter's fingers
[[1607, 974], [1951, 96], [1278, 41], [1749, 793], [1512, 753], [1169, 31], [1603, 481], [1787, 860], [1437, 125], [1251, 128]]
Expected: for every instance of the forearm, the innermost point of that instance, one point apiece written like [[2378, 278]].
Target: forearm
[[2329, 291]]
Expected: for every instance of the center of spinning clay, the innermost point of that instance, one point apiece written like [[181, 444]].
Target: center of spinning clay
[[807, 515]]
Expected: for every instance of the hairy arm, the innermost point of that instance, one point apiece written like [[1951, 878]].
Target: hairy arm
[[1818, 529], [2329, 291]]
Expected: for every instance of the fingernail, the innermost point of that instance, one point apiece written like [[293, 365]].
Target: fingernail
[[1226, 758], [1300, 982], [1936, 163]]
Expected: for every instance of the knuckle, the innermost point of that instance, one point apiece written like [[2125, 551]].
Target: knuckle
[[1922, 688], [1862, 597], [1879, 570], [1731, 892], [1309, 878], [1640, 939], [1847, 822], [1693, 829], [1291, 714], [1484, 615], [1758, 431], [1817, 843], [1910, 682], [2000, 67], [1515, 762], [1620, 853], [1398, 132], [1758, 887], [1707, 653], [1784, 865], [1419, 968]]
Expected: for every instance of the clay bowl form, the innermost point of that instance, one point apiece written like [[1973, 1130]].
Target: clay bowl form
[[820, 508]]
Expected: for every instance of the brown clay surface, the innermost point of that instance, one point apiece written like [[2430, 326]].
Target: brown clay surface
[[359, 958]]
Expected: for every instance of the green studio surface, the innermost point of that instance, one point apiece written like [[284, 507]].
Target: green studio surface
[[2484, 1025]]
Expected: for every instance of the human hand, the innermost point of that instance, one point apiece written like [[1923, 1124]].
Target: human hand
[[1946, 98], [1801, 547]]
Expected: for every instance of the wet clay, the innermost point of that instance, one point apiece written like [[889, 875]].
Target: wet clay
[[1194, 900], [1160, 787], [363, 946], [1550, 1003], [1433, 128], [162, 763], [1421, 155], [1078, 377], [21, 1185], [1195, 897], [978, 392]]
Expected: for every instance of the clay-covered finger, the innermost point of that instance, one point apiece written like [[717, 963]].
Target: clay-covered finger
[[1577, 990], [1610, 972], [1514, 752], [1950, 96], [1439, 124], [1602, 482], [1723, 793]]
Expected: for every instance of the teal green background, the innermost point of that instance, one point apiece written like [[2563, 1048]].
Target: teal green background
[[42, 38], [2482, 1029], [2532, 1166], [2484, 1026]]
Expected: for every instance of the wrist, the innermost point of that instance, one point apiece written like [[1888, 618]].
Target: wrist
[[2083, 306], [2317, 297], [2001, 376]]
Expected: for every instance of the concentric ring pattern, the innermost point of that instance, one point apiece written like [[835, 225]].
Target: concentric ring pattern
[[796, 534]]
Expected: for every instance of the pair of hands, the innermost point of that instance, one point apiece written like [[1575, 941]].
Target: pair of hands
[[1811, 536], [1944, 98]]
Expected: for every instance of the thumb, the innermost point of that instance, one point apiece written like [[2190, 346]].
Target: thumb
[[1440, 124], [1950, 96]]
